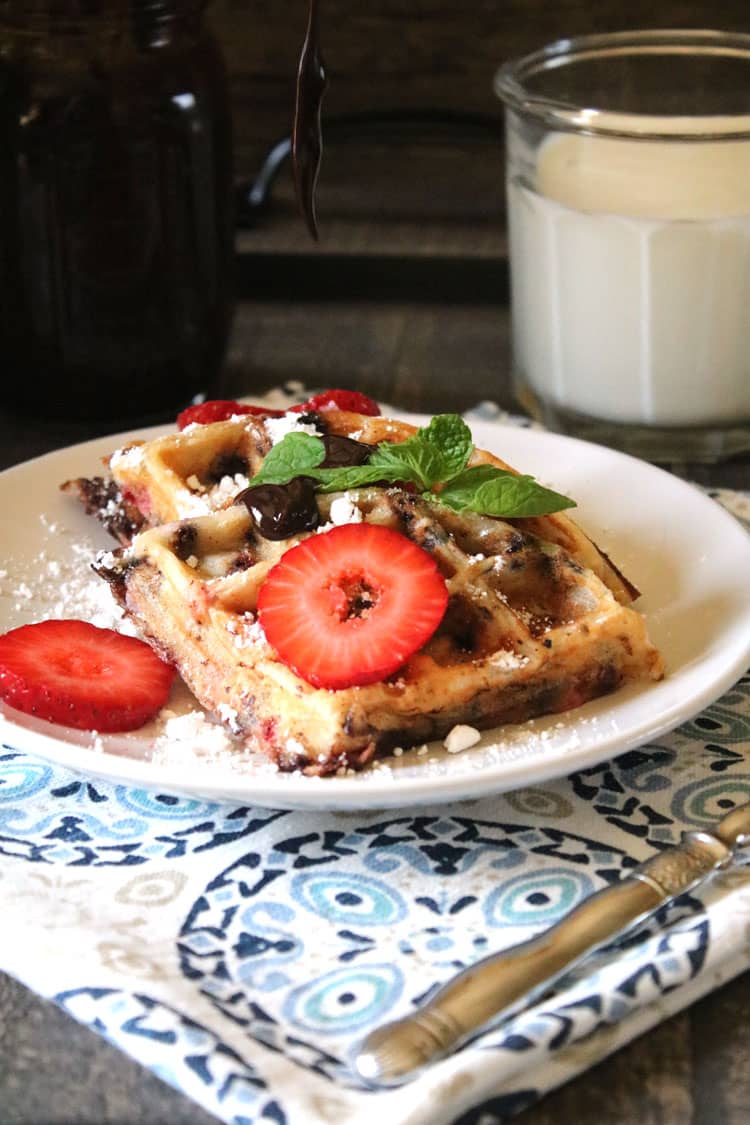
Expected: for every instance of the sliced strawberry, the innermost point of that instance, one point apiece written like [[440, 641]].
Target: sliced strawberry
[[349, 606], [74, 673], [353, 401], [218, 410]]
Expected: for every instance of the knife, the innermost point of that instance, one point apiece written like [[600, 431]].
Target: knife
[[503, 984]]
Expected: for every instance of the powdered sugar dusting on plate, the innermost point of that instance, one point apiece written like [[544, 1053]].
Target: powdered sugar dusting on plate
[[192, 735], [58, 583]]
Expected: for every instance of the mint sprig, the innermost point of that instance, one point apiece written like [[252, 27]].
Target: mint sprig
[[436, 455]]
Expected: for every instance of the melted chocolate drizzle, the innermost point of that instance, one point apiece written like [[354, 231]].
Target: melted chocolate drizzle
[[307, 137]]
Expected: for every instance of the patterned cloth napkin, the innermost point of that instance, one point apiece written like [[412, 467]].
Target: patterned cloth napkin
[[241, 953]]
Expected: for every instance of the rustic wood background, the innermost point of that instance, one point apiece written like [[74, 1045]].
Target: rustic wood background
[[411, 54]]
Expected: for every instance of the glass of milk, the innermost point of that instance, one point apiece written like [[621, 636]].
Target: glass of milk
[[628, 187]]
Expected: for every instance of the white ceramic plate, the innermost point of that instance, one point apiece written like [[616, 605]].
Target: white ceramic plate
[[690, 559]]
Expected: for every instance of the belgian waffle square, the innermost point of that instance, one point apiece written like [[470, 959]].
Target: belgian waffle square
[[530, 628], [203, 468]]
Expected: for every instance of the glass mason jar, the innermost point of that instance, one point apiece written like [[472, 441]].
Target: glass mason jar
[[116, 219]]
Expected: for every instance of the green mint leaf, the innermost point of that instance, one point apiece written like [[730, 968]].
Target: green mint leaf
[[350, 476], [459, 492], [296, 455], [497, 492], [435, 453], [396, 462], [449, 434]]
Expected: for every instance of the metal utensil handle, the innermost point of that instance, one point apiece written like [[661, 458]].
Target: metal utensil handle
[[502, 984]]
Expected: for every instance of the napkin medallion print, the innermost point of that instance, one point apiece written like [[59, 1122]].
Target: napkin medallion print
[[51, 816], [181, 1051], [330, 898], [688, 781], [323, 936]]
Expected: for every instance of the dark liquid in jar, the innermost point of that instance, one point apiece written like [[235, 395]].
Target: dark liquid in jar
[[115, 216]]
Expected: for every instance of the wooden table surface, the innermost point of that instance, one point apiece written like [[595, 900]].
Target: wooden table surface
[[413, 312]]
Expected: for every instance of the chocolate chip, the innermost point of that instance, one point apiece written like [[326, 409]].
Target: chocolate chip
[[184, 541]]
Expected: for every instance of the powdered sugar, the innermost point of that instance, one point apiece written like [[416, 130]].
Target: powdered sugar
[[55, 583], [195, 733], [246, 631], [189, 504], [226, 490], [509, 661], [194, 738], [289, 423], [129, 457], [106, 559], [201, 500], [229, 716]]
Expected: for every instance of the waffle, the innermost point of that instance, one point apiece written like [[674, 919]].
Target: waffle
[[200, 470], [535, 622]]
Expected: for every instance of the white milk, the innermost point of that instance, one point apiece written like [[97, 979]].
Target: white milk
[[631, 278]]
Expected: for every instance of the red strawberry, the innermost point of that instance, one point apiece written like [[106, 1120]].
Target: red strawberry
[[218, 410], [353, 401], [350, 605], [74, 673]]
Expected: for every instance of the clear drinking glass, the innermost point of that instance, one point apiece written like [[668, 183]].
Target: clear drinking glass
[[628, 184]]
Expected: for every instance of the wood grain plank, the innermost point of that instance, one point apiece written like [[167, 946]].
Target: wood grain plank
[[424, 53], [56, 1072]]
